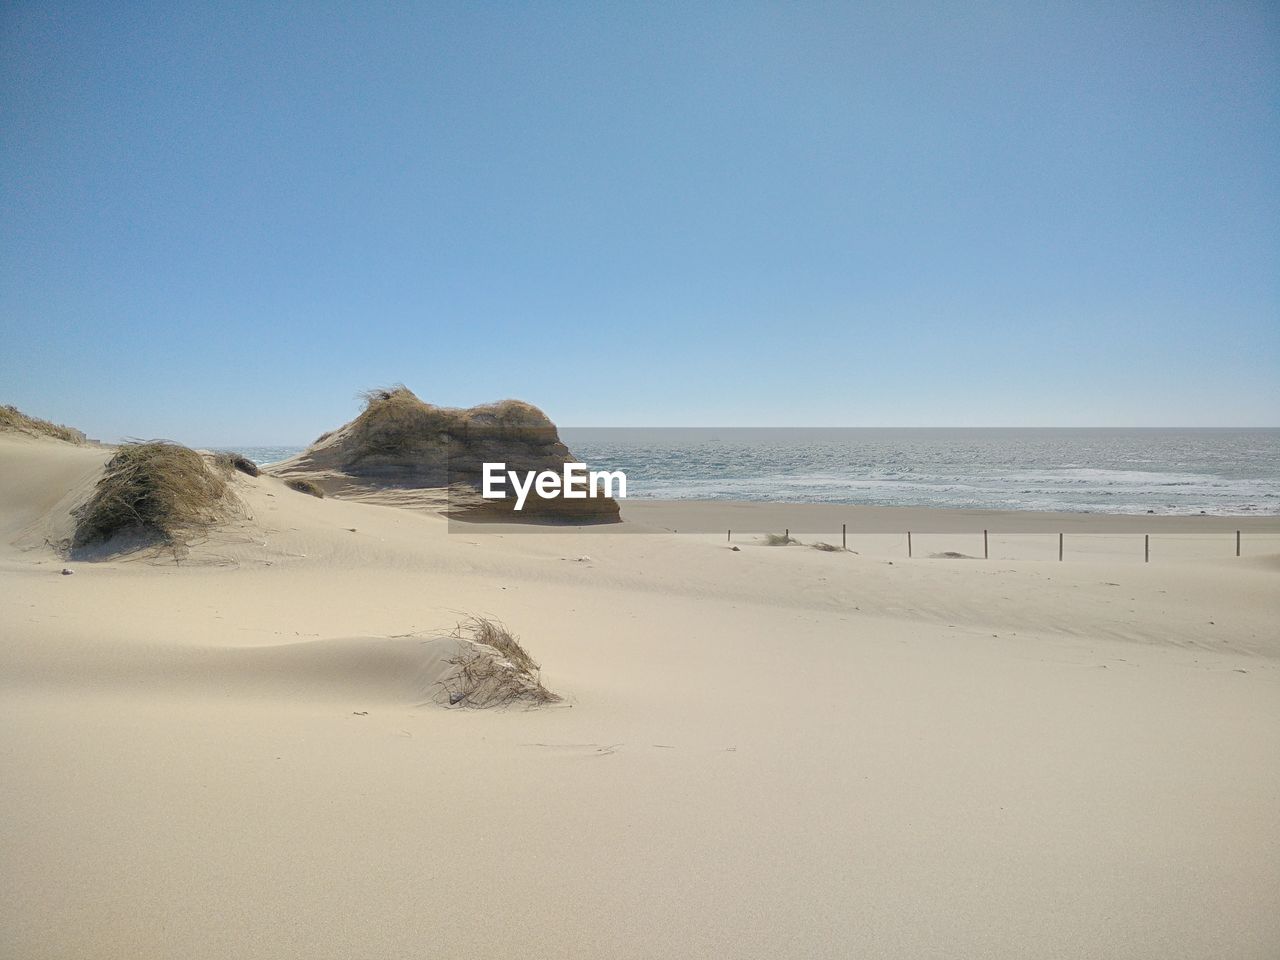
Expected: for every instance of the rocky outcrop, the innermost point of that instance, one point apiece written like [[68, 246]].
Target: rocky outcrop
[[400, 443]]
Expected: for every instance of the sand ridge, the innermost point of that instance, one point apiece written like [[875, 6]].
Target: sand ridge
[[769, 752]]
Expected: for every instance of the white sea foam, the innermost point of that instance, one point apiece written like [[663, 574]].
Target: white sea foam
[[1223, 472]]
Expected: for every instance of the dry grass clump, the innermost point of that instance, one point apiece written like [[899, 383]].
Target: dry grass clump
[[230, 462], [491, 633], [495, 671], [779, 540], [397, 392], [827, 547], [157, 489], [506, 413], [395, 423], [304, 486], [11, 418]]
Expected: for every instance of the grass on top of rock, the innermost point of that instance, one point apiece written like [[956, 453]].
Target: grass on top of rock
[[395, 422], [11, 418], [156, 489]]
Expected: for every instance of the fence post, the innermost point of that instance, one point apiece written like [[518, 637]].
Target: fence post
[[729, 537], [1237, 543], [786, 535], [1146, 548], [1059, 548], [908, 544], [844, 536], [986, 555]]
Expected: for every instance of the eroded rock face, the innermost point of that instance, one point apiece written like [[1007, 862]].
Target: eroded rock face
[[400, 443]]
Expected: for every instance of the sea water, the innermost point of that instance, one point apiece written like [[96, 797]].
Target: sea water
[[1183, 471]]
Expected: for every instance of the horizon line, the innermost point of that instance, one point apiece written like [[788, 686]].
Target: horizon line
[[631, 427]]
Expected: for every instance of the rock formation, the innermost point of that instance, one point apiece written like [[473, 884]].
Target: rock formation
[[398, 443]]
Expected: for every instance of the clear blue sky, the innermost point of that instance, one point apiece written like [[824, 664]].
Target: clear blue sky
[[219, 221]]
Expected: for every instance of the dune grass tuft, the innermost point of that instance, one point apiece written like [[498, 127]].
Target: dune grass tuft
[[304, 486], [396, 423], [779, 540], [497, 670], [11, 418], [157, 489], [492, 633], [230, 462], [827, 547]]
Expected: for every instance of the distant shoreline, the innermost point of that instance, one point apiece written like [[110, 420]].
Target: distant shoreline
[[1228, 479]]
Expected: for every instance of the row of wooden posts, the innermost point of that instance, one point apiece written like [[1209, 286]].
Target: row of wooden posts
[[986, 553]]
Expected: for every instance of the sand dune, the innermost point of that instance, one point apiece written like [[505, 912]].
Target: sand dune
[[400, 449], [763, 753], [381, 670], [42, 482]]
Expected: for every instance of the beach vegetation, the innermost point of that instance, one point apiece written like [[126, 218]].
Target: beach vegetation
[[494, 669], [229, 462], [396, 423], [13, 419], [304, 486], [158, 490]]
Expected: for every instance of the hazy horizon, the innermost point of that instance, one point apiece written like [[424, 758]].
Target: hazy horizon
[[303, 443], [569, 432]]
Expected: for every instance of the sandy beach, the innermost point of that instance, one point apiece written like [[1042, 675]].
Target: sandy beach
[[651, 481], [761, 752]]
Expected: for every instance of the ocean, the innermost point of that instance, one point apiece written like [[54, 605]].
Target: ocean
[[1225, 472]]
